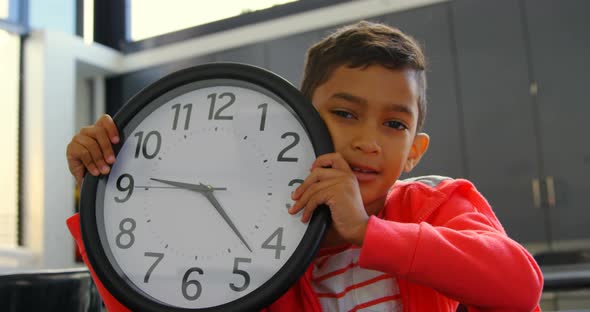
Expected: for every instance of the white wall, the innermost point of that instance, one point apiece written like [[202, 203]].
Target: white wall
[[54, 63]]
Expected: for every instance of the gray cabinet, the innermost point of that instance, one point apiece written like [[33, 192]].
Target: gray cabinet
[[560, 59], [430, 26], [286, 56], [253, 54], [499, 127], [522, 72]]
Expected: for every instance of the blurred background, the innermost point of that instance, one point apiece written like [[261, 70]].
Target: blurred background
[[508, 107]]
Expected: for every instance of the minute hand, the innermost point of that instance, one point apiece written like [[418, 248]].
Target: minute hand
[[224, 215]]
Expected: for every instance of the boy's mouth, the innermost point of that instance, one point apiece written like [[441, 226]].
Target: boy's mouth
[[361, 170], [364, 174]]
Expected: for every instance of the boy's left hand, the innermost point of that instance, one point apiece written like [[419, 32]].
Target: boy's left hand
[[333, 183]]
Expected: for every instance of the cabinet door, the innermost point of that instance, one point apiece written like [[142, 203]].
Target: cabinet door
[[560, 48], [498, 112], [430, 27]]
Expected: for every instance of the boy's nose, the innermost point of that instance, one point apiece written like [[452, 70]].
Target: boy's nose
[[366, 142]]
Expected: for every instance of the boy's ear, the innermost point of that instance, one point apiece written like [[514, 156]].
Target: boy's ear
[[419, 147]]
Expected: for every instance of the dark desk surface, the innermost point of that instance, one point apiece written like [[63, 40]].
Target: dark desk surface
[[566, 276]]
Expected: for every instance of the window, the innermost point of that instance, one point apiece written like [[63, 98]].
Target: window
[[54, 15], [149, 18], [9, 127], [3, 9]]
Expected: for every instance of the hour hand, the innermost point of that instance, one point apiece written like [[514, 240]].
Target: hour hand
[[201, 188]]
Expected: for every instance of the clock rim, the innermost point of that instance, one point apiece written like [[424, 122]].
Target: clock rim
[[301, 258]]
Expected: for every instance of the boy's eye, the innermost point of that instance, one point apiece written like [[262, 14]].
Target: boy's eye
[[343, 114], [395, 125]]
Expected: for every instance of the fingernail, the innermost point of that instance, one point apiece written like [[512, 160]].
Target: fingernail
[[111, 159], [105, 169], [115, 139]]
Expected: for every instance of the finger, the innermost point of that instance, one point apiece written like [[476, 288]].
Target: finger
[[79, 182], [79, 175], [318, 174], [107, 122], [331, 160], [80, 152], [313, 203], [312, 191], [95, 152], [75, 164], [105, 144]]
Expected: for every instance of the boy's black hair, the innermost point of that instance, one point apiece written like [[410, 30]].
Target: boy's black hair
[[363, 44]]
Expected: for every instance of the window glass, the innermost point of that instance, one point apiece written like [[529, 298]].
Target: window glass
[[3, 9], [54, 15], [150, 18], [9, 82], [88, 18]]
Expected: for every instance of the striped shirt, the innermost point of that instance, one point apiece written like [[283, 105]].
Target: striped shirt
[[341, 285]]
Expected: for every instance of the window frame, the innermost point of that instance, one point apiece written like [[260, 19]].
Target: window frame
[[111, 23]]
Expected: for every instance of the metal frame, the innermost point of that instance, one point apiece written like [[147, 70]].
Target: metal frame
[[13, 27], [110, 18], [79, 29], [18, 17]]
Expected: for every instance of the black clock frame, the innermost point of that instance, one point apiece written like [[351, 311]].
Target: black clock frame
[[305, 251]]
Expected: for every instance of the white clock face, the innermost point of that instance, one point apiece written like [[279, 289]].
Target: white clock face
[[194, 211]]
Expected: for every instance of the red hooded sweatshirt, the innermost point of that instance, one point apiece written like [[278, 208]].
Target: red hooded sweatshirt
[[441, 241]]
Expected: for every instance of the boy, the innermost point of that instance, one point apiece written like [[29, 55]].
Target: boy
[[420, 245]]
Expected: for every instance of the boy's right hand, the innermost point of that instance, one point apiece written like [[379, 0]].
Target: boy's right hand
[[91, 149]]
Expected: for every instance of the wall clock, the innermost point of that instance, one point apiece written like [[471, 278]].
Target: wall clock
[[193, 215]]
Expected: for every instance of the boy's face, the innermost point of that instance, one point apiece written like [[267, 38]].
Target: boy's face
[[372, 115]]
